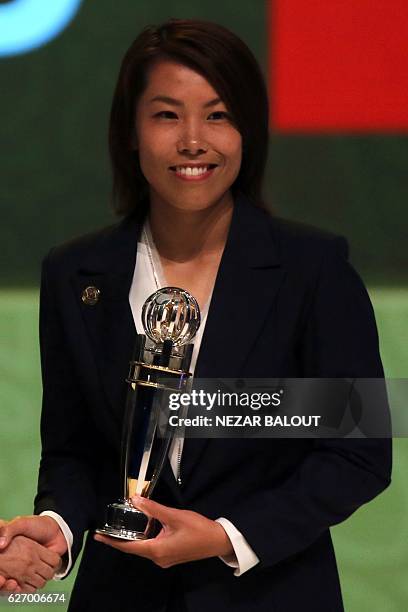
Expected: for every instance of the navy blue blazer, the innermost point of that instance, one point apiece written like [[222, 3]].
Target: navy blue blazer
[[301, 311]]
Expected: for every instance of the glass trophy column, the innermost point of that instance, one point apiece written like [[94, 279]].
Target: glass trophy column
[[171, 318]]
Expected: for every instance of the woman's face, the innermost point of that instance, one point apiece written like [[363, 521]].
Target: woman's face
[[189, 150]]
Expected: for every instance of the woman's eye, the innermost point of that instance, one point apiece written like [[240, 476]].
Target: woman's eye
[[217, 115], [166, 115]]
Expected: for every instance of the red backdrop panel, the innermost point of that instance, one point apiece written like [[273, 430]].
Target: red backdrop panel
[[338, 65]]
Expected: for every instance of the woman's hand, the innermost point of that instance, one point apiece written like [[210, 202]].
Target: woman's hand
[[42, 529], [185, 536]]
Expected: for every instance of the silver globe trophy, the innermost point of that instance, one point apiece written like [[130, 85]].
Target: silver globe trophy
[[160, 366]]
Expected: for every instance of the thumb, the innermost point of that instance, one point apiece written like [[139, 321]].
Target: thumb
[[29, 526], [153, 509], [7, 533], [3, 541]]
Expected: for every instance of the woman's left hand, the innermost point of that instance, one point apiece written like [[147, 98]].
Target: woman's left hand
[[185, 536]]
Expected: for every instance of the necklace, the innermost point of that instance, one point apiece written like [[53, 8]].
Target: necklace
[[150, 257]]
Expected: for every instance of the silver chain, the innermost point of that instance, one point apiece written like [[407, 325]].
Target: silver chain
[[150, 256]]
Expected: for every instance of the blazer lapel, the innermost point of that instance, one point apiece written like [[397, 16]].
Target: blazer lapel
[[248, 280], [109, 322]]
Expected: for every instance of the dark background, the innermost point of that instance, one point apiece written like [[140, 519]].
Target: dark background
[[56, 177]]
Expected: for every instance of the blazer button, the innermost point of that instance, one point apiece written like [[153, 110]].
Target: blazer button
[[90, 296]]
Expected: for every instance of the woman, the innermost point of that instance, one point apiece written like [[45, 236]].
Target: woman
[[249, 525]]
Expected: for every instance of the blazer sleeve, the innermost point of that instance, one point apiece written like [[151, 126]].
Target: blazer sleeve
[[337, 476], [67, 473]]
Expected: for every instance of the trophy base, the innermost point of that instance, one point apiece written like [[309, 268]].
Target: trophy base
[[122, 534], [125, 522]]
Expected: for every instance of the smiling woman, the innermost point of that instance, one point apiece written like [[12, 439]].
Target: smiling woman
[[188, 142], [185, 135], [229, 90]]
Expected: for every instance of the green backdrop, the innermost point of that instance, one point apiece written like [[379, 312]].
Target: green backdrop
[[56, 184]]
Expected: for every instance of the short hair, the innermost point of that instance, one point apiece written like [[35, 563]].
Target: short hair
[[227, 63]]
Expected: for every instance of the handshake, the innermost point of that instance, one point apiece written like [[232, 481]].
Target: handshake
[[31, 550]]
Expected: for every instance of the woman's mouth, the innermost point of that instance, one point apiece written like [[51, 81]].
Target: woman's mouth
[[193, 173]]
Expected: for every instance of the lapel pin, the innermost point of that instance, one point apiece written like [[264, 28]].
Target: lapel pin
[[90, 296]]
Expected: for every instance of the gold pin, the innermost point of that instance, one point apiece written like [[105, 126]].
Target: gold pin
[[90, 296]]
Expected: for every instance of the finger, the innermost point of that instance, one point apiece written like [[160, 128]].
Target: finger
[[49, 557], [153, 509], [28, 588], [10, 585], [35, 580], [137, 547], [45, 571], [2, 581], [39, 582]]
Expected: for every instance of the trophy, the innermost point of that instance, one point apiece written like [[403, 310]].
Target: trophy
[[160, 366]]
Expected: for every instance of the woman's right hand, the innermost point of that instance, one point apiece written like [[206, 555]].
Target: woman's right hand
[[31, 547], [26, 565]]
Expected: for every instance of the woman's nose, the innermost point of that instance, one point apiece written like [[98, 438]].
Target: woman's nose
[[191, 141]]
